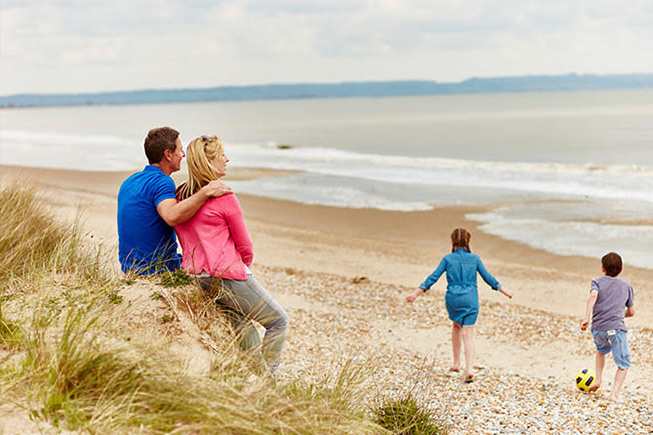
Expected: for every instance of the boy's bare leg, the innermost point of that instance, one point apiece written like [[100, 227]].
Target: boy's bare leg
[[600, 363], [456, 343], [468, 340], [619, 377]]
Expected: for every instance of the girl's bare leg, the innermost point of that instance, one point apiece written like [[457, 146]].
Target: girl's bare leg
[[456, 344], [468, 340]]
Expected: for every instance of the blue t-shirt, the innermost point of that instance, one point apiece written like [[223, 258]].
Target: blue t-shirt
[[146, 243]]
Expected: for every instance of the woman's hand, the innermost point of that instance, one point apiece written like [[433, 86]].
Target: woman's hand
[[412, 296]]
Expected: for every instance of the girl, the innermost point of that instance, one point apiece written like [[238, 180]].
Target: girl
[[462, 295]]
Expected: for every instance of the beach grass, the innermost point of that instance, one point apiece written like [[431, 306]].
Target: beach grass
[[72, 359], [34, 244], [405, 416]]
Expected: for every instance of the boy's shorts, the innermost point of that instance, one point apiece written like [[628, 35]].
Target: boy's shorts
[[614, 340]]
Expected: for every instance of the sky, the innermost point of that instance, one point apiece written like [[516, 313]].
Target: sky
[[78, 46]]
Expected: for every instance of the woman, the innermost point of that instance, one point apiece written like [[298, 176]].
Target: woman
[[217, 250], [462, 295]]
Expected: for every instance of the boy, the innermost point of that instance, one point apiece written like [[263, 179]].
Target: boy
[[611, 299]]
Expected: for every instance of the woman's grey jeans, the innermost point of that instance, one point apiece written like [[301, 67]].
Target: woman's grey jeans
[[247, 301]]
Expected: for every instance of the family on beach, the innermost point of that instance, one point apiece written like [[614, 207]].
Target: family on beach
[[217, 250]]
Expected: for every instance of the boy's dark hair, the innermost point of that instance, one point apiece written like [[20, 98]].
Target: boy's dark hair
[[612, 264], [157, 141]]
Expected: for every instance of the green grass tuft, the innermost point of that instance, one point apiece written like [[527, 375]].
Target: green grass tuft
[[10, 334], [176, 278], [405, 416], [114, 296]]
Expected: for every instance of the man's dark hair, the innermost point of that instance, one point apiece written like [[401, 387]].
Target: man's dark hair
[[157, 141], [612, 264]]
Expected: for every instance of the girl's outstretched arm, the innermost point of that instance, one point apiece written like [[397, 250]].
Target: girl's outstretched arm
[[412, 296], [506, 292], [489, 279], [428, 282], [433, 277]]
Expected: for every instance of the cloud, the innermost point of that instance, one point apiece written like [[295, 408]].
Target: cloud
[[81, 46]]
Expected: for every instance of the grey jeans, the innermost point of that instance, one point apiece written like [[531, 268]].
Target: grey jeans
[[247, 301]]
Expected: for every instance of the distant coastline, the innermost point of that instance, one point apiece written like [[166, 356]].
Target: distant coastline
[[563, 83]]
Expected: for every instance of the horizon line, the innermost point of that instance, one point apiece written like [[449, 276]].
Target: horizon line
[[343, 82]]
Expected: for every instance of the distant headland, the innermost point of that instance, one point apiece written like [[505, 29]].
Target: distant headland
[[561, 83]]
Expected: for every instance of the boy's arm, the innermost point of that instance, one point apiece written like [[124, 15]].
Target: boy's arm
[[588, 311], [630, 302]]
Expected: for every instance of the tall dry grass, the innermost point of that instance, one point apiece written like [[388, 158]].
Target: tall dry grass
[[33, 243], [64, 359]]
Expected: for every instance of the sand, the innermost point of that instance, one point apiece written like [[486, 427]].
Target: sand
[[371, 259]]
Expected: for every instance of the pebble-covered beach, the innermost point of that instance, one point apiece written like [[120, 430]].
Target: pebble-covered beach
[[334, 318], [343, 274]]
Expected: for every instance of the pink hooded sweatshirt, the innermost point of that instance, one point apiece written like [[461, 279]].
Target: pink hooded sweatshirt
[[216, 240]]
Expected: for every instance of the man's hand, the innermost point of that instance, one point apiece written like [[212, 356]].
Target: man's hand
[[216, 188], [175, 213]]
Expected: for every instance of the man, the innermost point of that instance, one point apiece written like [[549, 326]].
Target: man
[[148, 208]]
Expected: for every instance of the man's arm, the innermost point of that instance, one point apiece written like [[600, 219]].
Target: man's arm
[[588, 311], [175, 213]]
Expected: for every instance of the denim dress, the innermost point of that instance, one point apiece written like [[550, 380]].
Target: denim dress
[[462, 292]]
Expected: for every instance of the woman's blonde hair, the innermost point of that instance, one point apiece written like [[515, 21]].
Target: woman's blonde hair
[[460, 239], [200, 170]]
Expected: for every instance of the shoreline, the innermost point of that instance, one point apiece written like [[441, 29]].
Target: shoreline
[[367, 259], [395, 247]]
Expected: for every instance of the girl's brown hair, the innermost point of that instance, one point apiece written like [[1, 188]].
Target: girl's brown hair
[[460, 239]]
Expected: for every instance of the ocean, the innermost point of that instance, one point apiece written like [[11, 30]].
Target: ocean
[[568, 172]]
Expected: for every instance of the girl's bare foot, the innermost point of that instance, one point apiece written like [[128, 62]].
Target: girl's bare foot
[[615, 398], [595, 386]]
